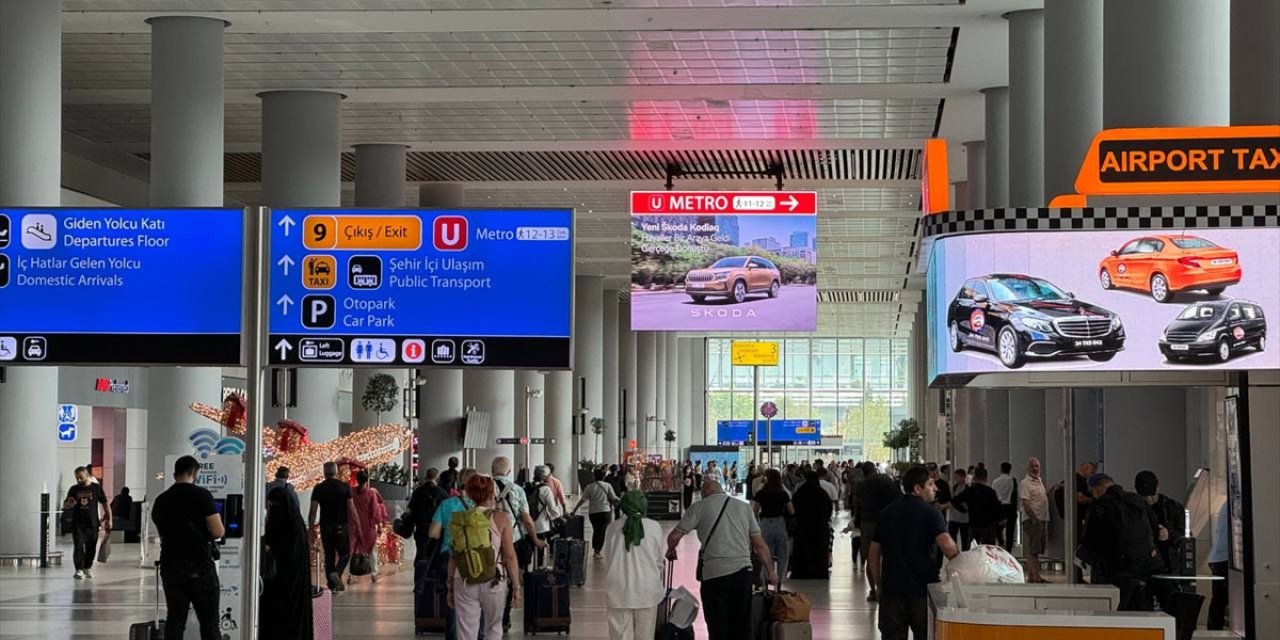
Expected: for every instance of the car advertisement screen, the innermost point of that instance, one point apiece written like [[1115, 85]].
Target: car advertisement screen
[[121, 286], [430, 288], [742, 272], [789, 432], [1104, 300]]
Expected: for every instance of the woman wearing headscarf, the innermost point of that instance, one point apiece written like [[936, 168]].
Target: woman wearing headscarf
[[372, 511], [633, 572], [812, 548], [286, 594]]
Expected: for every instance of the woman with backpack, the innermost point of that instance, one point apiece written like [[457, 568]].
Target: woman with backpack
[[483, 564], [543, 507]]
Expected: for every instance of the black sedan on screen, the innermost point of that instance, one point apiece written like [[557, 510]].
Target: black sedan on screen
[[1216, 329], [1018, 317]]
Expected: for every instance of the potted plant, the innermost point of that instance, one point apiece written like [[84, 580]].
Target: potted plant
[[598, 426], [380, 395], [902, 437], [670, 437], [391, 480]]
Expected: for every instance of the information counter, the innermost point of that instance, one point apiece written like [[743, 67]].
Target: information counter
[[1044, 612]]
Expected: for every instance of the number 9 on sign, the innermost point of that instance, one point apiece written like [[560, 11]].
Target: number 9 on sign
[[318, 232]]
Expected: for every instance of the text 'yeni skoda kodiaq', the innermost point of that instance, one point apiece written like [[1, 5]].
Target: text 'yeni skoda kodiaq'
[[734, 278], [1216, 329], [1017, 317]]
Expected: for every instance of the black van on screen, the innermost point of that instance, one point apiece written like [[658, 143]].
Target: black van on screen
[[1216, 329]]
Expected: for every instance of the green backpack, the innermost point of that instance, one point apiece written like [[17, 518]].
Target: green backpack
[[473, 553]]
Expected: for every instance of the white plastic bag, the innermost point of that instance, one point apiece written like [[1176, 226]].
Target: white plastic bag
[[684, 608], [986, 564]]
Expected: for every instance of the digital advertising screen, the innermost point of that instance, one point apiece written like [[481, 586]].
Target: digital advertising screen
[[457, 288], [723, 262], [121, 286], [1133, 300], [788, 432]]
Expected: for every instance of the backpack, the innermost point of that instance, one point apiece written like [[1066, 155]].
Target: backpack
[[504, 498], [535, 500], [473, 553]]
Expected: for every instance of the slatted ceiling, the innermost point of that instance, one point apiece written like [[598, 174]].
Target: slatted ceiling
[[447, 5], [848, 296]]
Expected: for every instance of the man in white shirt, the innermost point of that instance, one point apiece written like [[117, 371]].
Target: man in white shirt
[[1007, 490], [1035, 519]]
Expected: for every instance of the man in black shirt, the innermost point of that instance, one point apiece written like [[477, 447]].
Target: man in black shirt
[[908, 536], [188, 524], [449, 479], [83, 499], [1171, 521], [422, 507], [1120, 539], [878, 491], [333, 499], [983, 506]]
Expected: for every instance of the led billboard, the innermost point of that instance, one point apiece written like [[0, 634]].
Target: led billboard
[[1144, 300]]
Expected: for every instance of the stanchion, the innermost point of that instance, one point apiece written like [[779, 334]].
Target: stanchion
[[44, 530]]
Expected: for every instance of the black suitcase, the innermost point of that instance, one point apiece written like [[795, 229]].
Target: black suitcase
[[430, 599], [761, 602], [666, 630], [570, 557], [575, 527], [546, 602], [152, 629]]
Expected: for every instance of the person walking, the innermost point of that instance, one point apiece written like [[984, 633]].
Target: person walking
[[1171, 517], [557, 487], [451, 479], [370, 511], [1035, 519], [286, 593], [729, 533], [1120, 540], [543, 507], [633, 570], [1006, 488], [878, 492], [83, 501], [687, 484], [713, 474], [982, 506], [439, 532], [332, 499], [811, 556], [282, 482], [773, 507], [479, 603], [188, 524], [600, 500], [958, 520], [424, 501], [902, 563], [513, 501]]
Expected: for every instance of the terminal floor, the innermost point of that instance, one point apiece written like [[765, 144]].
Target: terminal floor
[[50, 605]]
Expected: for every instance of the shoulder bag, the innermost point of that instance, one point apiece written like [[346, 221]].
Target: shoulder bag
[[714, 526]]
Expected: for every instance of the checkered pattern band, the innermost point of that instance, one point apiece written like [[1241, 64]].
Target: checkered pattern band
[[1097, 218]]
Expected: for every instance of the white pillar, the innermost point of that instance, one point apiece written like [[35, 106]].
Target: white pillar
[[1026, 108], [492, 391], [1255, 62], [380, 183], [675, 391], [440, 408], [975, 161], [646, 387], [699, 387], [30, 175], [997, 147], [1026, 428], [186, 171], [609, 392], [529, 414], [995, 446], [1072, 90], [658, 429], [960, 195], [1166, 64], [558, 423], [301, 156], [588, 363], [690, 391], [627, 375]]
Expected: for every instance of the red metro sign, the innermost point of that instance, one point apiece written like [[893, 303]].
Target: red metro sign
[[723, 203]]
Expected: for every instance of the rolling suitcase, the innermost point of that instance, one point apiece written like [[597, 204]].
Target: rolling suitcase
[[430, 600], [546, 602], [571, 558], [789, 631], [575, 527], [761, 604], [321, 605], [666, 630], [152, 629]]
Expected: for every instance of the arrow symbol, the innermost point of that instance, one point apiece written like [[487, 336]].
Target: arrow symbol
[[285, 262], [790, 202], [283, 347], [286, 222], [284, 301]]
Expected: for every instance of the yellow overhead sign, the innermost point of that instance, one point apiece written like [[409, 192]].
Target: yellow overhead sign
[[755, 354]]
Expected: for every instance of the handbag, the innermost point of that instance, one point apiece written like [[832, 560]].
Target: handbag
[[789, 606], [361, 565], [714, 526], [403, 525], [267, 564]]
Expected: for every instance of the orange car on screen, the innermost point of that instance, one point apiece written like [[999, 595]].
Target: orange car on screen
[[1170, 264]]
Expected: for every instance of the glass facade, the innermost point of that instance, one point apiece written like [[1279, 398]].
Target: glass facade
[[857, 387]]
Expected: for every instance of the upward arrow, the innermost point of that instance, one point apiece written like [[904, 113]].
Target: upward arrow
[[791, 202], [286, 222], [285, 263], [283, 347], [284, 301]]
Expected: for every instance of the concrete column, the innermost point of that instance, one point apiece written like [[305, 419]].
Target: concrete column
[[995, 447], [627, 372], [588, 361], [1255, 62], [493, 391], [975, 161], [675, 392], [609, 391], [1026, 108], [691, 390], [440, 408], [527, 381], [997, 148], [661, 370], [1166, 64], [558, 424], [380, 183], [186, 171], [301, 156], [646, 386], [1072, 89], [698, 380], [1026, 428], [960, 195]]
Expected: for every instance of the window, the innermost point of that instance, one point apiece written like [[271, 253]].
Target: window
[[980, 291], [1193, 243], [1130, 248]]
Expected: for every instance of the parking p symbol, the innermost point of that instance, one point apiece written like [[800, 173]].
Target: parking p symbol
[[318, 312]]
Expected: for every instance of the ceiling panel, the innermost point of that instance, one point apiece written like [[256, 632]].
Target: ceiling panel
[[453, 5]]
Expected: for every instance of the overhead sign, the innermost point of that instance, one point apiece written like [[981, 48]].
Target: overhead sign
[[68, 416], [121, 286], [1179, 160], [769, 410], [724, 261], [431, 288], [785, 432], [723, 203], [935, 183], [754, 354]]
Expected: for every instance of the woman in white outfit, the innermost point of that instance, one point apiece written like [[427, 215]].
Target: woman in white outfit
[[633, 572]]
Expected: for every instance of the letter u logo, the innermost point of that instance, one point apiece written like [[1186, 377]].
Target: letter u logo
[[449, 233], [655, 203]]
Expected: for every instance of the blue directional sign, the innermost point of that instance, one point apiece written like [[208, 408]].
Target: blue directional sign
[[789, 432], [67, 432], [430, 288], [123, 286], [68, 413]]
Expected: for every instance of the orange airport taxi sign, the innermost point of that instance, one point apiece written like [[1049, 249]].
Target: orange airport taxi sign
[[1183, 160]]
